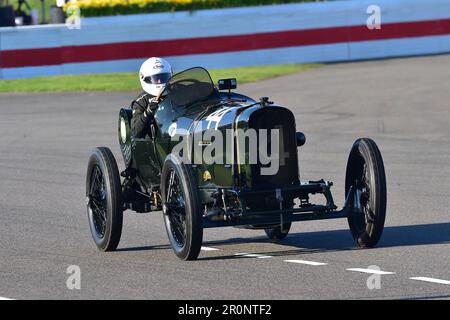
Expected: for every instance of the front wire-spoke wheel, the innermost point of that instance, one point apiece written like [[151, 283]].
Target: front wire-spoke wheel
[[366, 175], [181, 208]]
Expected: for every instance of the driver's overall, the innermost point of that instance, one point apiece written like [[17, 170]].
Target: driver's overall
[[142, 117]]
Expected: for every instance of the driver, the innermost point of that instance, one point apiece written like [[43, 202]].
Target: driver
[[154, 74]]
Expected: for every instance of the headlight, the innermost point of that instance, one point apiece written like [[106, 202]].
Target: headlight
[[123, 130]]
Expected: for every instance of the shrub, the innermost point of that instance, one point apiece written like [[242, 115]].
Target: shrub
[[92, 8]]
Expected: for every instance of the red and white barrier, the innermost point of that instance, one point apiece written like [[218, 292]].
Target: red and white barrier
[[292, 33]]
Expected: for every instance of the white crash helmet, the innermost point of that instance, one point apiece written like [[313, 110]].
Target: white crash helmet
[[154, 74]]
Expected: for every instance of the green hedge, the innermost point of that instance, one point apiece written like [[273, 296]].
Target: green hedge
[[171, 6]]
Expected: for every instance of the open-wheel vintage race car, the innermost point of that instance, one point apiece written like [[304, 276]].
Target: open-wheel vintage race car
[[164, 172]]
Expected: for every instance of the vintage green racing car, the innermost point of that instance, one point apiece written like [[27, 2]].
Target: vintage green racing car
[[217, 158]]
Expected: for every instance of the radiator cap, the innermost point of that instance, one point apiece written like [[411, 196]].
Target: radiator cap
[[264, 101]]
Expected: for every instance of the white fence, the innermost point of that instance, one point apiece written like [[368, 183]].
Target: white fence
[[292, 33]]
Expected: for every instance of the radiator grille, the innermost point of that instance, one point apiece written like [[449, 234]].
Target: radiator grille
[[282, 119]]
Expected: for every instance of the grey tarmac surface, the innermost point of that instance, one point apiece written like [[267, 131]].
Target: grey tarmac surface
[[404, 104]]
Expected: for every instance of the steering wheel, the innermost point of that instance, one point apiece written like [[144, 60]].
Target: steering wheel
[[159, 96]]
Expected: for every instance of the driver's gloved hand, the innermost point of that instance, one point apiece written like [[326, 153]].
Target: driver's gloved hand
[[151, 107]]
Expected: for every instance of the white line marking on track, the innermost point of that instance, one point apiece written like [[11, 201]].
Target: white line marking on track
[[259, 256], [433, 280], [3, 298], [310, 263], [370, 271], [252, 255], [209, 249]]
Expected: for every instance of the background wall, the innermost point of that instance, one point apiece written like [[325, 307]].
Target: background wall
[[293, 33]]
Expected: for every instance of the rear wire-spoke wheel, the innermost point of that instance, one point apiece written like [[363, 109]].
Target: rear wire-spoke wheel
[[103, 199], [365, 173], [176, 209], [97, 205], [181, 208]]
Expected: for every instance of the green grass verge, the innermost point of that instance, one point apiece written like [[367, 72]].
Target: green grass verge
[[129, 81]]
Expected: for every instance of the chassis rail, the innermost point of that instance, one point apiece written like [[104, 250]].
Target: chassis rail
[[303, 213]]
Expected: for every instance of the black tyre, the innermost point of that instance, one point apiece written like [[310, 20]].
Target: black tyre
[[365, 172], [276, 233], [104, 199], [181, 208]]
